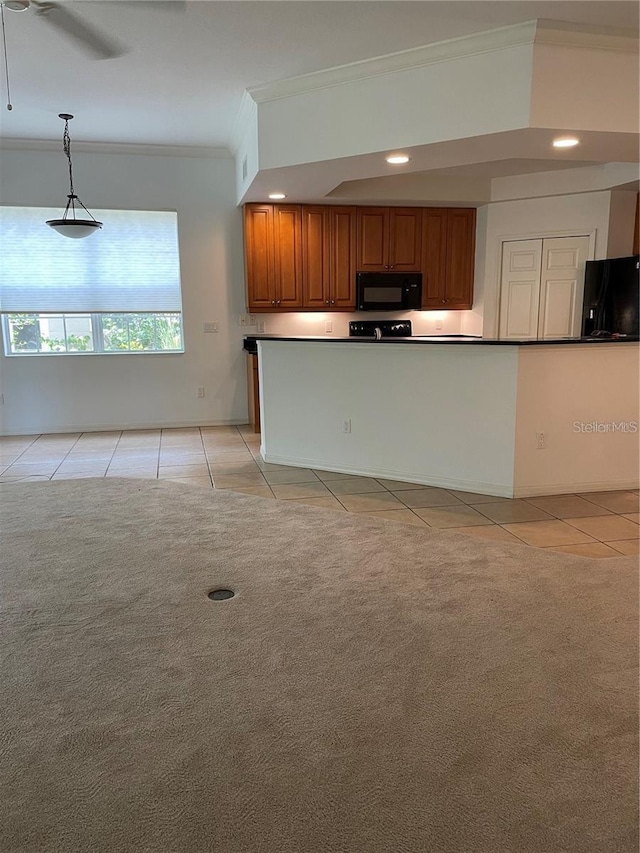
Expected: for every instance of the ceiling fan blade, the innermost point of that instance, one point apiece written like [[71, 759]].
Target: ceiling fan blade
[[156, 5], [87, 37]]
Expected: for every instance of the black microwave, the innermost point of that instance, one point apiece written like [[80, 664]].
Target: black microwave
[[388, 291]]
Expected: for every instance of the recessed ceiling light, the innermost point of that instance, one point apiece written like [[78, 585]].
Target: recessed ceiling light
[[277, 195], [397, 159], [565, 142]]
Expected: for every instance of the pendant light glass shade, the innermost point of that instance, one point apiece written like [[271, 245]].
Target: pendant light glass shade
[[74, 227], [69, 226]]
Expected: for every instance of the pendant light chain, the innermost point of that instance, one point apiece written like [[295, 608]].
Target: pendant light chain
[[69, 226], [6, 60], [66, 147]]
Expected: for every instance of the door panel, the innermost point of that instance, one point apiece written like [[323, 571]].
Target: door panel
[[258, 225], [343, 258], [288, 255], [373, 238], [460, 257], [562, 286], [520, 289], [315, 256], [557, 309], [434, 258], [405, 238]]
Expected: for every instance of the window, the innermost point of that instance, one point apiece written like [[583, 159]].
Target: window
[[117, 291]]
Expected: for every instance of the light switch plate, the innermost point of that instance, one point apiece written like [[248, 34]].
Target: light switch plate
[[211, 327]]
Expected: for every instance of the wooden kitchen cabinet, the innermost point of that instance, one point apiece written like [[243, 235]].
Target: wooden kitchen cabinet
[[273, 256], [253, 388], [389, 238], [328, 257], [305, 257], [448, 247]]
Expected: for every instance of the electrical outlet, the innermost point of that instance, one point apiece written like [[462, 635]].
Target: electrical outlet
[[541, 441], [212, 327], [328, 326], [200, 391], [252, 320], [242, 320], [438, 324], [262, 326], [346, 425]]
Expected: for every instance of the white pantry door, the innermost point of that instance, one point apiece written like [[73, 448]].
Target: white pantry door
[[520, 289], [562, 287], [541, 288]]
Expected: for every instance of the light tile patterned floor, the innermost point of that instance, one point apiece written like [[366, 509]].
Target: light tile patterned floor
[[598, 524]]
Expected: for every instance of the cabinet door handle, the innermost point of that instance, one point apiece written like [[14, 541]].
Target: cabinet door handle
[[333, 301], [386, 266], [443, 301], [273, 301], [278, 302], [392, 267], [327, 302]]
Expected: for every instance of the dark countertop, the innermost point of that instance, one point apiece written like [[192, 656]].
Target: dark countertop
[[251, 346]]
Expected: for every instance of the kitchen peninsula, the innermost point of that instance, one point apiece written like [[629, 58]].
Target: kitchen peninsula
[[504, 418]]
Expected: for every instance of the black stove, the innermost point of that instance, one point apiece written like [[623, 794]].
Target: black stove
[[388, 328]]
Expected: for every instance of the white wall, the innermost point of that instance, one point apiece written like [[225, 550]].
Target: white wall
[[437, 414], [67, 393], [399, 108], [313, 322], [460, 416], [622, 214], [560, 385], [585, 88], [571, 215]]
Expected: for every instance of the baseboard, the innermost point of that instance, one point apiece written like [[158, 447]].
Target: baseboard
[[500, 490], [48, 429], [574, 488]]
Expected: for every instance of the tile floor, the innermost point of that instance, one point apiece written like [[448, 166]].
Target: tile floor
[[599, 524]]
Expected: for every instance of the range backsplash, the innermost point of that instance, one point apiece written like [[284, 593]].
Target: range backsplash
[[315, 323]]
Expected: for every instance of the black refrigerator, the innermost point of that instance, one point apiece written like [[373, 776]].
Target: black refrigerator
[[611, 297]]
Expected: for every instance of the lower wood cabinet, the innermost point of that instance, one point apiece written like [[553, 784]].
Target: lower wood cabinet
[[448, 248], [253, 387]]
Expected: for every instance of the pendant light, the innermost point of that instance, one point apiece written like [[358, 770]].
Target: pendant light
[[69, 226]]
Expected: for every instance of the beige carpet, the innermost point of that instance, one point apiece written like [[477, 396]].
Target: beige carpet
[[372, 688]]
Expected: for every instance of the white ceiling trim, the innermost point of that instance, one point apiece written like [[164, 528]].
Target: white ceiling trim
[[116, 148], [246, 115], [498, 39], [572, 35], [501, 38]]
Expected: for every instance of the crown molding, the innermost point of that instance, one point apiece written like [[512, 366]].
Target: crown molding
[[193, 151], [404, 60], [533, 32], [245, 116], [571, 35]]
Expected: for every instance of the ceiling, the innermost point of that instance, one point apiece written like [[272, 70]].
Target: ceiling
[[187, 64]]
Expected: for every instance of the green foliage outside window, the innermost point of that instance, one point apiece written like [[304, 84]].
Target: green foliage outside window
[[108, 333]]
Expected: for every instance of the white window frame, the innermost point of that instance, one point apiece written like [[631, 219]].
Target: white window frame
[[97, 334]]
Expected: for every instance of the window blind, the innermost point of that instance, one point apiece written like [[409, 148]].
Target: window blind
[[132, 264]]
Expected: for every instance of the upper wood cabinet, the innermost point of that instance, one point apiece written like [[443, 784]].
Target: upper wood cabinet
[[306, 256], [273, 256], [329, 258], [448, 246], [259, 251], [389, 238]]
